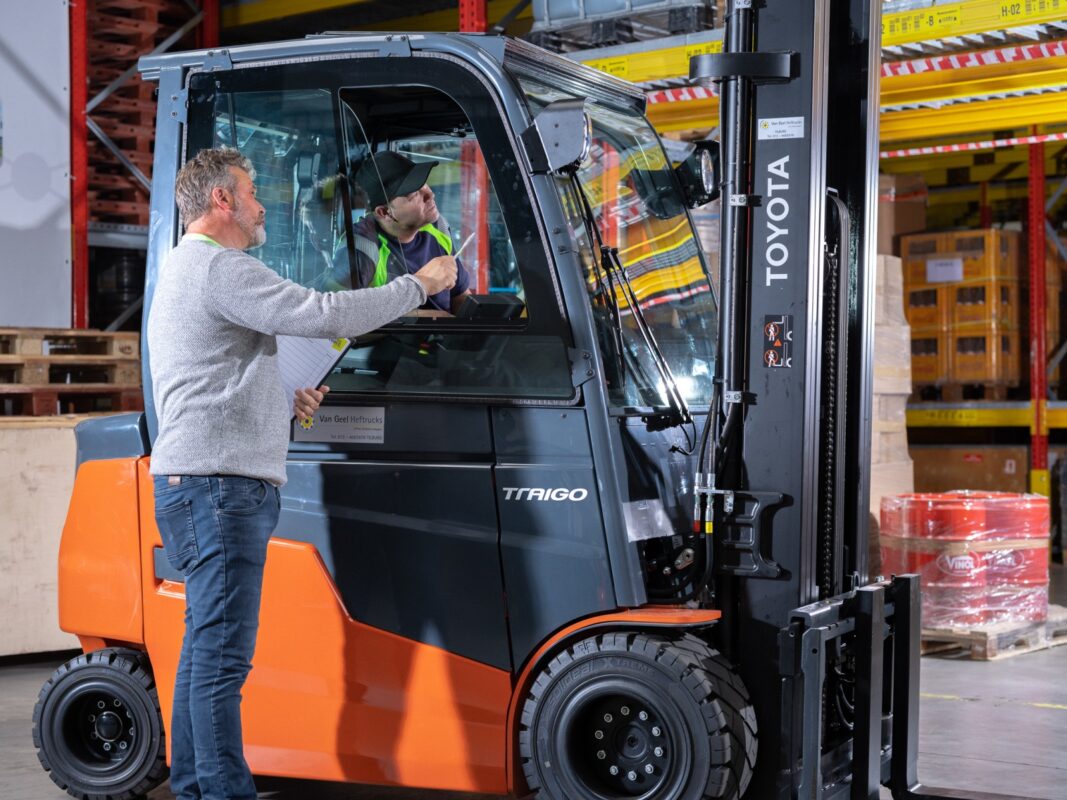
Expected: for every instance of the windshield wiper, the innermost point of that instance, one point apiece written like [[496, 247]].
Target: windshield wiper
[[677, 412]]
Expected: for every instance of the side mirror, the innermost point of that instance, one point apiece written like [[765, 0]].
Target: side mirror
[[559, 138], [699, 174]]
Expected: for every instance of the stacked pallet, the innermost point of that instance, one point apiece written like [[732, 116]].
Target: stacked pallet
[[891, 466], [965, 299], [120, 31], [45, 372]]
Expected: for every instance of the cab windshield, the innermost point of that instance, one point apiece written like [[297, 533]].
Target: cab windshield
[[638, 207]]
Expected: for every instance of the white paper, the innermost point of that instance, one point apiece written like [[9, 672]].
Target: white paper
[[362, 424], [304, 363], [944, 270], [781, 128]]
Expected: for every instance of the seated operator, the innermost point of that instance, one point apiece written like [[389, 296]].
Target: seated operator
[[402, 230]]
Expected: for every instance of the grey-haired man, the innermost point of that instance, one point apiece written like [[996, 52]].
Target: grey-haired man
[[219, 457]]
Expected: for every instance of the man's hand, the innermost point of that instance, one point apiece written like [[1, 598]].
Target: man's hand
[[308, 400], [438, 274]]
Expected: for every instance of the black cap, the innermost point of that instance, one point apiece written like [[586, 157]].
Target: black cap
[[386, 175]]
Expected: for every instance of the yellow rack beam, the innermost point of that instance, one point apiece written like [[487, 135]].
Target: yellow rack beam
[[961, 19], [977, 117], [971, 416], [946, 85], [653, 65]]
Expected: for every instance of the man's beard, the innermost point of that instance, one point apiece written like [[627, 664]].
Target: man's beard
[[255, 231]]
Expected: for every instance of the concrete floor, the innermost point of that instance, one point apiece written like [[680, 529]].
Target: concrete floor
[[994, 726]]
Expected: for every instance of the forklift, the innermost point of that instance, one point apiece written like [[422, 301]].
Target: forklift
[[601, 533]]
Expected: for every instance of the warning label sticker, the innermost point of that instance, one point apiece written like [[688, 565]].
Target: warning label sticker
[[780, 128], [778, 342]]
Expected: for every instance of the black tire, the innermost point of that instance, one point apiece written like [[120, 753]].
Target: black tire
[[90, 749], [668, 712]]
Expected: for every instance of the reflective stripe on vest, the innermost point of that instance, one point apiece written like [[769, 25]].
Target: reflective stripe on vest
[[381, 269]]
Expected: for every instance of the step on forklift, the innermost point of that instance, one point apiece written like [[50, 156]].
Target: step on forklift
[[599, 532]]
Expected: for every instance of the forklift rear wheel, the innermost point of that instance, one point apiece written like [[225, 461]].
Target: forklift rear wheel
[[636, 715], [98, 728]]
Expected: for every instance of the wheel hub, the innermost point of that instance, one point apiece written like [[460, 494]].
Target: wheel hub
[[625, 745], [108, 726]]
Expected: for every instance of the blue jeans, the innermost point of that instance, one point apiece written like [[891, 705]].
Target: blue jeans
[[215, 531]]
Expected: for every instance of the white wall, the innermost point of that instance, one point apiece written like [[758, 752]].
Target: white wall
[[35, 246]]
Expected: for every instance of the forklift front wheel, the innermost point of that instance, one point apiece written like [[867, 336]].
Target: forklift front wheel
[[98, 728], [637, 715]]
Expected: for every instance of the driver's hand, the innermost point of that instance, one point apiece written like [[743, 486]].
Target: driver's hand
[[308, 400], [438, 274]]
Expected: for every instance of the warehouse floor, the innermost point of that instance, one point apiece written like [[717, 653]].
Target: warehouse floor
[[991, 726]]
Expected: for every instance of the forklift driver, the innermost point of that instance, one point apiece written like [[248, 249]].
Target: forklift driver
[[403, 231], [219, 456]]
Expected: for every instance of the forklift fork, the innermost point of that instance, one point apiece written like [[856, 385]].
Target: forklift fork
[[884, 621]]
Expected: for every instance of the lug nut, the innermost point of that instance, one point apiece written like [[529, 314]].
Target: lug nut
[[648, 768], [101, 704], [631, 776], [122, 745], [118, 703], [598, 735], [613, 770], [107, 746], [608, 718], [642, 715], [625, 711], [601, 754], [93, 735], [656, 731], [92, 717], [658, 751]]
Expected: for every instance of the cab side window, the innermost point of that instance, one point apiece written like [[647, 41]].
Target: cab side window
[[312, 140], [290, 138]]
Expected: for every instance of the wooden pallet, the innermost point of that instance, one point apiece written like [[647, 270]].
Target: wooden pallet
[[1002, 640], [55, 342], [43, 401], [33, 370]]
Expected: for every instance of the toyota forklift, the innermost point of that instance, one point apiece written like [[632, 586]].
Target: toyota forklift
[[602, 532]]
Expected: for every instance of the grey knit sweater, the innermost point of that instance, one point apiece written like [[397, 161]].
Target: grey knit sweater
[[218, 394]]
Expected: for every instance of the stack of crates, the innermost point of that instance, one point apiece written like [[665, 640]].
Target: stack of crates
[[965, 297]]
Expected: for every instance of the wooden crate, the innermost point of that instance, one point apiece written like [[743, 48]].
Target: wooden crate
[[1002, 640]]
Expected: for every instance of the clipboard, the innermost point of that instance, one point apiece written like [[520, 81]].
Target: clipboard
[[305, 362]]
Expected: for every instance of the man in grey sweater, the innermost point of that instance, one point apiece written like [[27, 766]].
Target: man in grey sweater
[[219, 457]]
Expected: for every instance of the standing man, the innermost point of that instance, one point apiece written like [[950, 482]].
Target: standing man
[[219, 458], [403, 230]]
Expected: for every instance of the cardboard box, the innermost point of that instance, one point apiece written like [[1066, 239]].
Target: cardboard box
[[901, 209], [895, 477], [889, 292], [37, 457], [1002, 468]]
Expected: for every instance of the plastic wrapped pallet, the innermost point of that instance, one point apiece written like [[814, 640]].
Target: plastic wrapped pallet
[[982, 557]]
